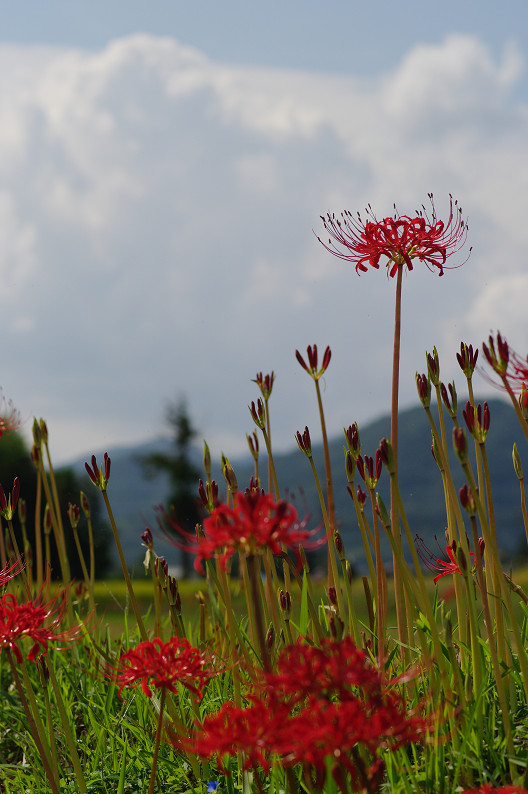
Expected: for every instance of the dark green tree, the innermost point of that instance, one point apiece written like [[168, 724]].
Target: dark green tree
[[183, 475], [15, 461]]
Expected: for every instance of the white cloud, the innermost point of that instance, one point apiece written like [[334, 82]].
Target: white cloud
[[156, 220]]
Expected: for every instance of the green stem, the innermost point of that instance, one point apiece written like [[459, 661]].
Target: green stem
[[132, 595], [157, 740]]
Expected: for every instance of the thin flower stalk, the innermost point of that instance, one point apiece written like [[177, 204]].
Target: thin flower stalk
[[131, 593], [316, 373], [74, 514], [499, 619], [100, 477], [85, 506], [333, 579], [265, 384], [58, 532]]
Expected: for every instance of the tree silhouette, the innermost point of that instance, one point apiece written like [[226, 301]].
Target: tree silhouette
[[182, 473]]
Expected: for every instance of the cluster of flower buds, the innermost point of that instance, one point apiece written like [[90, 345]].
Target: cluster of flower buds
[[369, 472], [229, 475], [352, 440], [253, 445], [208, 494], [304, 442], [74, 514], [497, 354], [99, 476], [450, 400], [258, 413], [433, 367], [265, 383], [423, 384], [467, 359], [8, 506], [467, 500], [460, 444], [312, 368], [147, 539], [477, 421], [387, 455]]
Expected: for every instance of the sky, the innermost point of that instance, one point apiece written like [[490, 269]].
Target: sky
[[164, 167]]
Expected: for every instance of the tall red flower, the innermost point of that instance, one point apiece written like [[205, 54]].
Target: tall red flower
[[164, 665], [37, 620], [255, 521], [400, 238]]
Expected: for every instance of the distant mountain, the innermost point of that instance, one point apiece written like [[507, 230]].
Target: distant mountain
[[133, 496]]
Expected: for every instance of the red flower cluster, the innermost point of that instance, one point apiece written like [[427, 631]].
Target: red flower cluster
[[320, 705], [400, 239], [37, 620], [164, 665], [256, 521]]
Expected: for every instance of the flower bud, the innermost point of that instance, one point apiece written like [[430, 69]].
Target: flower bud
[[433, 367], [517, 465], [423, 385], [460, 444]]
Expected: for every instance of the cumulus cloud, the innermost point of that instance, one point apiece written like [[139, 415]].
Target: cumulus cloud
[[156, 229]]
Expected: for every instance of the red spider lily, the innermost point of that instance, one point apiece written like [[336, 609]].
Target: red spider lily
[[37, 620], [10, 570], [164, 665], [295, 717], [256, 521], [10, 420], [400, 238], [434, 563]]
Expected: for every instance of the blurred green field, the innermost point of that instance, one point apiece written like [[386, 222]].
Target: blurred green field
[[114, 609]]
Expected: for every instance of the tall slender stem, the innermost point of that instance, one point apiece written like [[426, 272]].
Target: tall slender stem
[[395, 522]]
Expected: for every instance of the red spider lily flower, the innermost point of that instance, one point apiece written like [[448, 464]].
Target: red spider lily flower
[[37, 620], [10, 420], [295, 717], [10, 570], [99, 476], [255, 521], [311, 368], [434, 563], [400, 238], [164, 665]]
